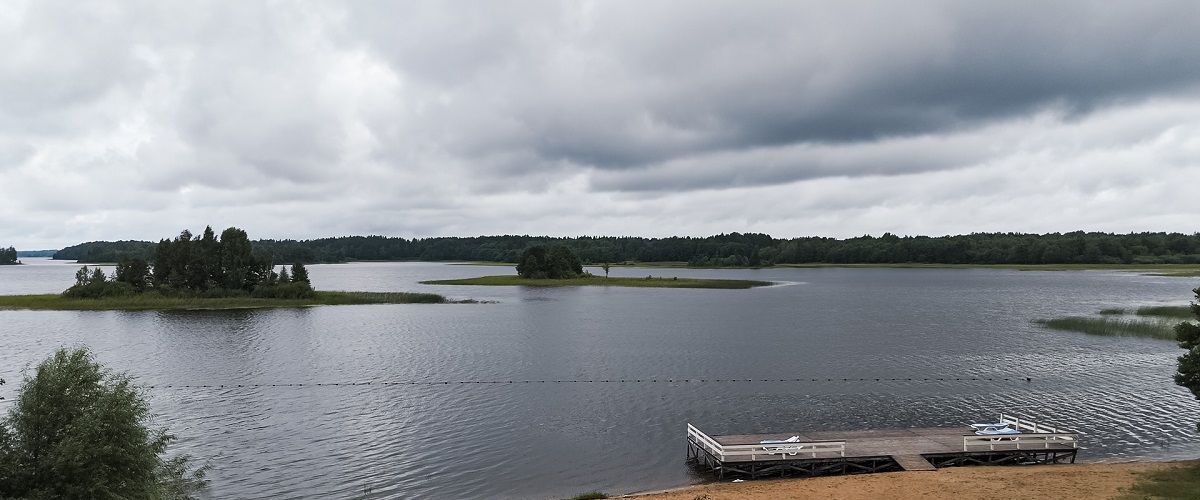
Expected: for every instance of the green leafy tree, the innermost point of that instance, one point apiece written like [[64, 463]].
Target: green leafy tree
[[300, 273], [93, 283], [554, 262], [605, 266], [284, 276], [8, 256], [237, 260], [134, 272], [79, 430], [1188, 334]]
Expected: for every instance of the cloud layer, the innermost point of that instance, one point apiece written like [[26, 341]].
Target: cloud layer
[[133, 120]]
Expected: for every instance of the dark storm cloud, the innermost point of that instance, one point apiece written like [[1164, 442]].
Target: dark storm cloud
[[628, 86], [472, 117]]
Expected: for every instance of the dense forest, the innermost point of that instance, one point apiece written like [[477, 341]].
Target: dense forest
[[8, 256], [203, 265], [733, 250]]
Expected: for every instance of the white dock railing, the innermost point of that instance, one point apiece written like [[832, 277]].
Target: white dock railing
[[1033, 436], [766, 451], [1029, 425]]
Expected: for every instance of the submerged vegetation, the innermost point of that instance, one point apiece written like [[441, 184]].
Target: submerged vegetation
[[154, 301], [1148, 321], [589, 280], [729, 250]]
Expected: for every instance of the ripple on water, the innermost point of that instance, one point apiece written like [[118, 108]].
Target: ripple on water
[[923, 333]]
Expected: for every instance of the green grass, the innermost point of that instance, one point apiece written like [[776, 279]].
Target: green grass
[[652, 282], [1112, 311], [1180, 483], [1113, 327], [146, 302]]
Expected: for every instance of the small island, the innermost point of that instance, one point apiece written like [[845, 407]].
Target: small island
[[8, 256], [557, 266], [202, 272]]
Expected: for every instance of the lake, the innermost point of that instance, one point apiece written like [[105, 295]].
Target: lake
[[554, 439]]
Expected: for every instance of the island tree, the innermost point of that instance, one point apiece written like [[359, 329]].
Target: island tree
[[553, 262], [299, 273], [1188, 334], [8, 256], [202, 265]]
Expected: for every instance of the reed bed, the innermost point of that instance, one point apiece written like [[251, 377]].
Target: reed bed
[[1114, 327], [1178, 312]]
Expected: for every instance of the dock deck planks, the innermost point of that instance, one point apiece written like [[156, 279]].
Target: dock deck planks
[[879, 442], [913, 462]]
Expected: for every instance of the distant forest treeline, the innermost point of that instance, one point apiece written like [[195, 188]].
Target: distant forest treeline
[[733, 250]]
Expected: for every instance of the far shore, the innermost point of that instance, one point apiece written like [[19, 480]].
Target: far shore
[[1172, 270], [1167, 270], [1066, 481], [147, 302]]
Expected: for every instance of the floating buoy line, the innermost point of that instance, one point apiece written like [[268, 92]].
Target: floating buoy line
[[591, 381]]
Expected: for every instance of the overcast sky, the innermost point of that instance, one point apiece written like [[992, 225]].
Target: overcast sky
[[296, 120]]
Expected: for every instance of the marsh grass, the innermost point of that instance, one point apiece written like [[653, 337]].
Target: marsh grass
[[645, 282], [1177, 312], [1181, 482], [1112, 311], [148, 301], [1113, 327]]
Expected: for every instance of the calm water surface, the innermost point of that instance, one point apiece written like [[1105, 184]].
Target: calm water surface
[[547, 440]]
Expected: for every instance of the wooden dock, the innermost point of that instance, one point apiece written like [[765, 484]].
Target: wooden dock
[[878, 450]]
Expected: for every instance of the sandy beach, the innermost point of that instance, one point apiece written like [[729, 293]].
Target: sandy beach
[[1073, 481]]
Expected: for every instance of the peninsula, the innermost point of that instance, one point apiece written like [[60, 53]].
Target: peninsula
[[557, 265]]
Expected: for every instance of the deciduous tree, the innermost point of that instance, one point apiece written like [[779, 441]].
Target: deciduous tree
[[79, 430]]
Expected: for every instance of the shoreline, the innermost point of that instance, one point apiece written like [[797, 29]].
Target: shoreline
[[1069, 481]]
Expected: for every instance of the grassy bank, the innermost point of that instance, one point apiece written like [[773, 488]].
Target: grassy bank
[[1181, 482], [157, 302], [649, 282], [1148, 321]]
